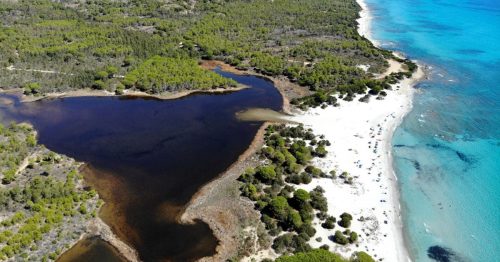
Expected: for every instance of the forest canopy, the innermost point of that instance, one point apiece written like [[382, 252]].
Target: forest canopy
[[66, 45], [160, 74]]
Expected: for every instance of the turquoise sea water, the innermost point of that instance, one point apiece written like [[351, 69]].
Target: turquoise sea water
[[447, 150]]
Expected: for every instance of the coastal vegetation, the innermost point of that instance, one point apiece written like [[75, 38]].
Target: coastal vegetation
[[16, 143], [360, 84], [313, 255], [114, 45], [159, 74], [43, 204], [321, 255], [286, 210], [154, 47]]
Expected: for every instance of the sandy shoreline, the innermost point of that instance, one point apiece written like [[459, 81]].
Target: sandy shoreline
[[354, 129], [364, 22], [98, 228], [287, 89], [233, 219], [127, 93], [365, 29], [225, 218], [343, 126], [219, 204], [373, 197], [361, 135]]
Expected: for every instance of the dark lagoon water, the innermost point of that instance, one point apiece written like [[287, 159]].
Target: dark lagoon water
[[91, 249], [148, 157]]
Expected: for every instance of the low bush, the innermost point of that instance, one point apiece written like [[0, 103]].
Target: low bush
[[362, 257], [329, 223], [339, 238], [315, 255], [353, 237]]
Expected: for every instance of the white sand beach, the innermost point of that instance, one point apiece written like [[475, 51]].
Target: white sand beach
[[364, 22], [360, 135]]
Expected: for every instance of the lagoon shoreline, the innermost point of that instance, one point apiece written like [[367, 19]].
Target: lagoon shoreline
[[218, 203], [391, 244], [127, 93], [206, 205]]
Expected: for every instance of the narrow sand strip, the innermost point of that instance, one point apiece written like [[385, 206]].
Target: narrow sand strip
[[364, 22]]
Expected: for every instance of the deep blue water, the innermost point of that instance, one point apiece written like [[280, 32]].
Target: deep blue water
[[447, 150]]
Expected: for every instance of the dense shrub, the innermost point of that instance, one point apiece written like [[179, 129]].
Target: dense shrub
[[266, 173], [362, 257], [305, 178], [267, 64], [339, 238], [160, 74], [301, 197], [329, 223], [345, 220], [283, 243], [31, 88], [286, 191], [318, 201], [322, 215], [320, 151], [353, 237], [314, 171], [294, 179], [249, 190], [300, 243], [293, 220], [279, 207], [307, 229], [315, 255], [325, 247]]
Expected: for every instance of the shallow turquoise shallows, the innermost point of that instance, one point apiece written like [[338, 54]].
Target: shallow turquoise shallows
[[447, 150]]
